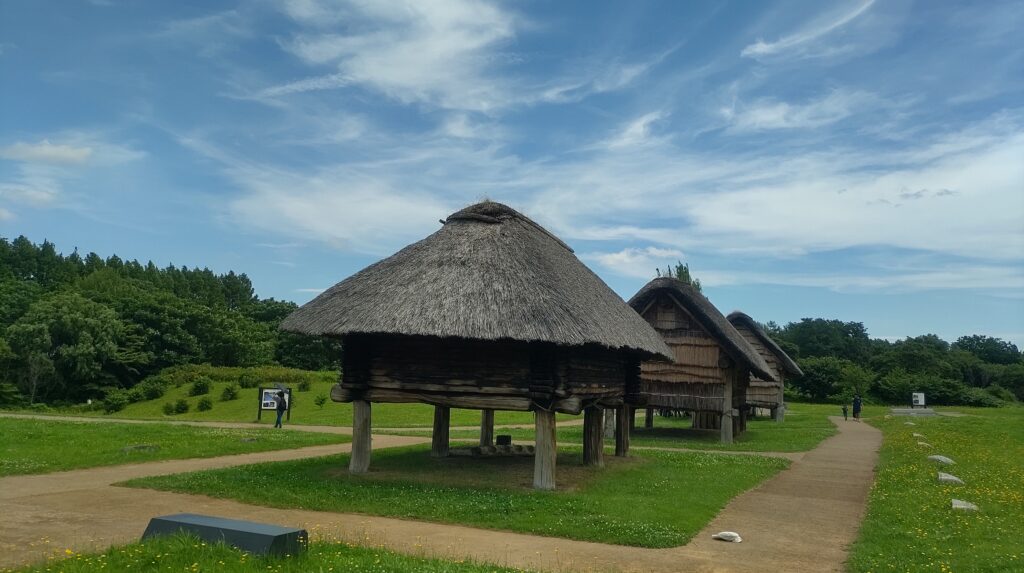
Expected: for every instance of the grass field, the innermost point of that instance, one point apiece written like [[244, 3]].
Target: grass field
[[910, 526], [304, 410], [806, 425], [184, 553], [653, 499], [32, 446]]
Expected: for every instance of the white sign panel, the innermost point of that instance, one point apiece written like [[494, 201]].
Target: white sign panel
[[917, 399], [267, 401]]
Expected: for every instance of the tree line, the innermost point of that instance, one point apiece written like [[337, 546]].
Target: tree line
[[74, 328], [839, 360]]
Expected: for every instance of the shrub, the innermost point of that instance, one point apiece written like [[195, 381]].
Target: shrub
[[168, 409], [320, 400], [181, 406], [204, 404], [200, 386], [979, 397], [1001, 393], [248, 380], [151, 388], [115, 402], [229, 393], [305, 385]]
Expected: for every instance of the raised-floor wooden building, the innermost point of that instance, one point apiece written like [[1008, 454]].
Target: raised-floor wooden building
[[712, 361], [764, 393], [491, 312]]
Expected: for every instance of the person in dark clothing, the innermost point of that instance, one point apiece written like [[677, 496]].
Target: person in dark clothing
[[282, 407], [856, 407], [846, 412]]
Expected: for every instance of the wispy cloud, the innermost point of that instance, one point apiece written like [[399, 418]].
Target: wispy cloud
[[767, 114], [635, 262], [815, 30], [327, 82], [46, 152]]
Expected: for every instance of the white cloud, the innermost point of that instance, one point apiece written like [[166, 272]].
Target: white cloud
[[635, 262], [327, 82], [6, 215], [766, 114], [46, 152], [815, 30], [637, 131]]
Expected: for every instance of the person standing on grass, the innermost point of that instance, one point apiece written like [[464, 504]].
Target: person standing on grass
[[282, 405], [856, 406]]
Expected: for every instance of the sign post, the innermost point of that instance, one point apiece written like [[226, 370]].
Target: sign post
[[917, 399], [266, 399]]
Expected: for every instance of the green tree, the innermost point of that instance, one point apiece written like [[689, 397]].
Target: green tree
[[682, 272], [830, 379], [989, 349], [818, 337], [31, 354]]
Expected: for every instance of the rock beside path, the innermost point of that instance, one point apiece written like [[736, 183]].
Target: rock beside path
[[964, 505], [941, 460], [924, 444], [950, 478]]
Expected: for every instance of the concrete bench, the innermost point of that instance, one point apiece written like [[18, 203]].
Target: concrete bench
[[258, 538]]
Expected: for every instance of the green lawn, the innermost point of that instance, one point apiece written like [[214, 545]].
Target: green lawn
[[33, 446], [304, 410], [806, 425], [653, 499], [184, 553], [909, 525]]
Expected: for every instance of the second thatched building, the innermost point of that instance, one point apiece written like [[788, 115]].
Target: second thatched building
[[764, 393]]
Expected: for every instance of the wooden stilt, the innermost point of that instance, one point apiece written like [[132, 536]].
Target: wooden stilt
[[622, 431], [593, 437], [649, 418], [486, 427], [779, 413], [439, 439], [632, 419], [545, 453], [609, 424], [359, 462], [726, 420]]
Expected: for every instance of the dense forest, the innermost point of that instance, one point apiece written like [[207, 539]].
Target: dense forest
[[75, 328]]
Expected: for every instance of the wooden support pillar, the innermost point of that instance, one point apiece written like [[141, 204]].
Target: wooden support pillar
[[632, 419], [545, 452], [622, 431], [359, 462], [439, 439], [649, 418], [779, 413], [593, 437], [486, 427], [609, 423], [727, 410]]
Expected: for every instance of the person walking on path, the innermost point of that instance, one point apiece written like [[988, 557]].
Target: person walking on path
[[282, 406], [856, 406], [846, 412]]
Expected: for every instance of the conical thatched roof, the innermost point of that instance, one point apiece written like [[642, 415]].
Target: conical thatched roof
[[489, 273], [709, 318], [738, 318]]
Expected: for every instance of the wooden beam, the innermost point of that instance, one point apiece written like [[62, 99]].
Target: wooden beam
[[593, 436], [622, 431], [486, 427], [649, 418], [439, 438], [546, 451], [359, 462]]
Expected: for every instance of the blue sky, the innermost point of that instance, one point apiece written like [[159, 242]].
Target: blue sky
[[853, 160]]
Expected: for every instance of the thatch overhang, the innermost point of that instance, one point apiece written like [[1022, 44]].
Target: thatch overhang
[[709, 318], [738, 318], [490, 273]]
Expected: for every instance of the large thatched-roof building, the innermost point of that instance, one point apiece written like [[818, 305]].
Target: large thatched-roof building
[[763, 393], [491, 312], [712, 361]]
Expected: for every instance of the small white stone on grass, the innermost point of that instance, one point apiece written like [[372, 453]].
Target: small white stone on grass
[[916, 435], [924, 444], [909, 424], [941, 460], [964, 505], [949, 478], [730, 536]]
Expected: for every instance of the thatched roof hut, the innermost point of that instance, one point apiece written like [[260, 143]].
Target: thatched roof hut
[[764, 393], [490, 312], [713, 362]]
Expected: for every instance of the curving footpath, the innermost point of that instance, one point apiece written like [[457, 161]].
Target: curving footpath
[[803, 519]]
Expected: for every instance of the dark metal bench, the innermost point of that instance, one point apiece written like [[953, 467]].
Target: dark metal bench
[[259, 538]]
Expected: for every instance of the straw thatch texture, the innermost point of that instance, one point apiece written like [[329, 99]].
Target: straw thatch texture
[[709, 318], [489, 273], [739, 319]]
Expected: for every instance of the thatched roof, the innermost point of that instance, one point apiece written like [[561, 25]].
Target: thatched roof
[[490, 273], [738, 318], [709, 318]]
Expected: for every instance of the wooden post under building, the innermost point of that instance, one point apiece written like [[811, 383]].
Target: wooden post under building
[[486, 427], [359, 462], [439, 438], [593, 436]]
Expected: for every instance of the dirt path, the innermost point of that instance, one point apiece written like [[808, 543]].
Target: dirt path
[[803, 519], [343, 430]]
